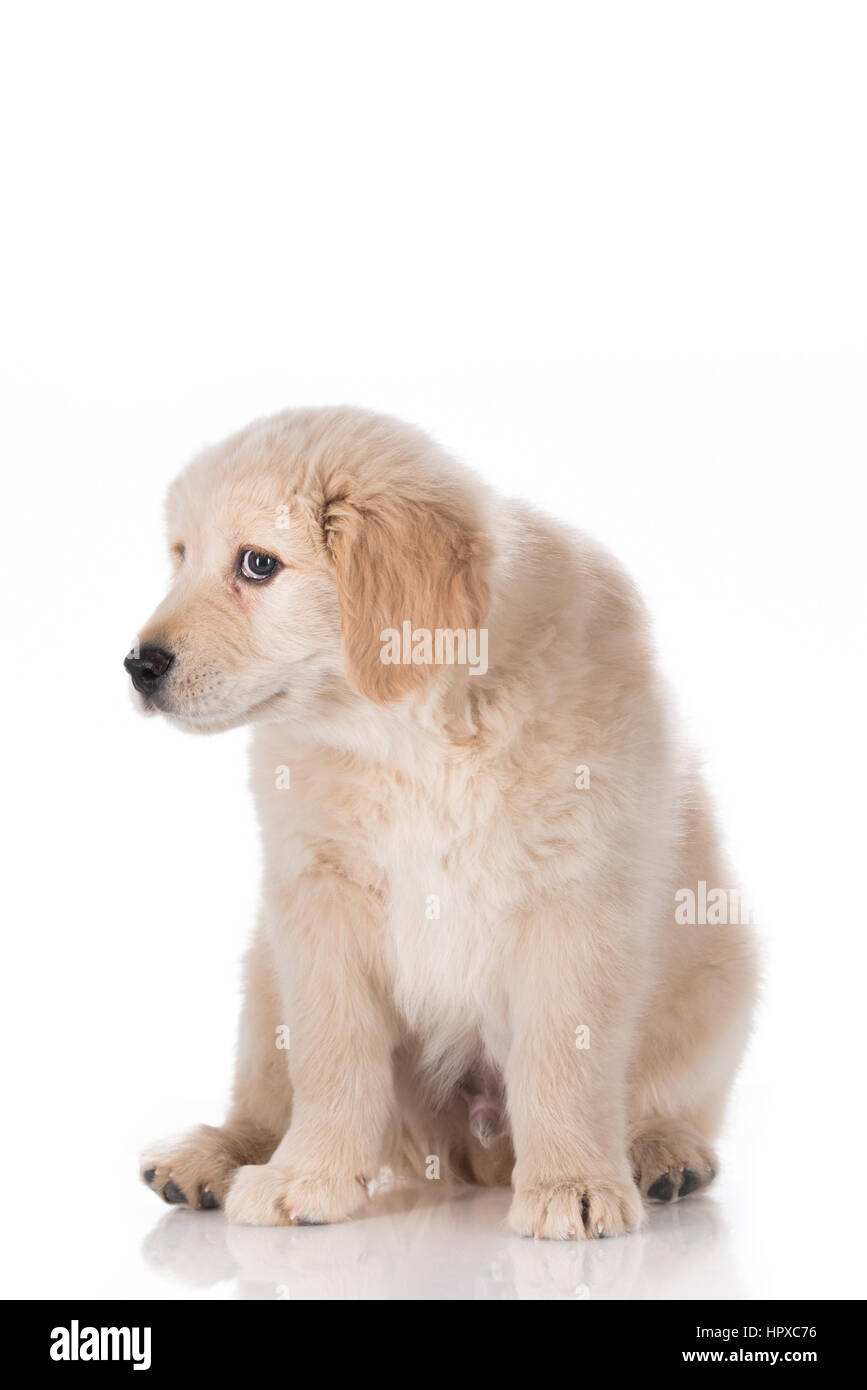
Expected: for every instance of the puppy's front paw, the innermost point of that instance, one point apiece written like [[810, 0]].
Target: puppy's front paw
[[575, 1210], [269, 1196]]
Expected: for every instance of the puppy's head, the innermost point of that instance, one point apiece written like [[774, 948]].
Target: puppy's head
[[296, 544]]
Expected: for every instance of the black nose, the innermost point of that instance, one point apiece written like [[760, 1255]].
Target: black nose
[[148, 668]]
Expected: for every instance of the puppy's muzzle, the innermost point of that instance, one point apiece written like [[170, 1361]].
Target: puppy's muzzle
[[148, 669]]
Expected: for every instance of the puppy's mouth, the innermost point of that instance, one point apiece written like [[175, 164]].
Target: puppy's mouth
[[206, 719], [201, 697], [163, 704], [231, 717]]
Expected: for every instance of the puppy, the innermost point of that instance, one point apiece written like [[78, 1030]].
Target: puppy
[[472, 959]]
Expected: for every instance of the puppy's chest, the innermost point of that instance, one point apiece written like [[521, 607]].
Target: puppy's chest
[[442, 918]]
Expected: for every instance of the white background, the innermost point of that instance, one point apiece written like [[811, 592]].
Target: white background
[[613, 256]]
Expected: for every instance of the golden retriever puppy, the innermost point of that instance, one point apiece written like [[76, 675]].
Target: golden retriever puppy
[[479, 954]]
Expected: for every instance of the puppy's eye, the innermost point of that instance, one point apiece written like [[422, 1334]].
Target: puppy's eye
[[254, 565]]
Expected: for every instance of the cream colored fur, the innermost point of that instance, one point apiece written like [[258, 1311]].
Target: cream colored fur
[[411, 784]]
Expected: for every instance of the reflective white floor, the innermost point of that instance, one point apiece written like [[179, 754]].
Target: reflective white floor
[[429, 1243]]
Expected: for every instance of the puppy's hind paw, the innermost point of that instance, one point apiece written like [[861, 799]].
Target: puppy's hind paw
[[196, 1169], [670, 1161]]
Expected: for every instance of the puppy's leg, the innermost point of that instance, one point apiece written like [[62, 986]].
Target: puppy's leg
[[682, 1075], [566, 1101], [195, 1169], [695, 1029], [340, 1060]]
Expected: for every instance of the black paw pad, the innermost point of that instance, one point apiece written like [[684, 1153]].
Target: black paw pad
[[662, 1190], [302, 1222], [209, 1201], [689, 1182], [172, 1193]]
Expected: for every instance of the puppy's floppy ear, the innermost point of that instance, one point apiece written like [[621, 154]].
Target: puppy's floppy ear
[[401, 559]]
